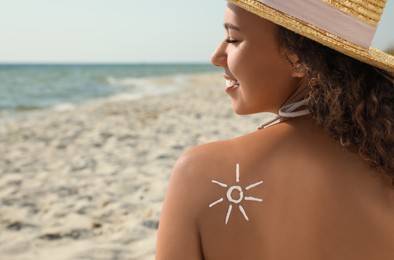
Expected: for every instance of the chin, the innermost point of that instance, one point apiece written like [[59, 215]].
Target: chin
[[240, 113], [243, 111], [248, 111]]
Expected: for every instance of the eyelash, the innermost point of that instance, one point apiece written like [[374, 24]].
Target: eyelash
[[231, 41]]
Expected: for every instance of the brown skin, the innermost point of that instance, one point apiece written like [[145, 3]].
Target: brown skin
[[253, 58], [320, 201]]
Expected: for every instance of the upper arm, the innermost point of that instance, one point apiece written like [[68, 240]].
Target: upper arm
[[178, 235]]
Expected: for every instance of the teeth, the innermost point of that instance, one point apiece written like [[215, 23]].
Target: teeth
[[231, 83]]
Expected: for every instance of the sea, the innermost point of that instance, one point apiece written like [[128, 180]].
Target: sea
[[27, 88]]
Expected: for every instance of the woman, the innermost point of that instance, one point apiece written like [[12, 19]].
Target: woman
[[316, 182]]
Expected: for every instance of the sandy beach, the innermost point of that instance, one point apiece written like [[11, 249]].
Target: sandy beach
[[88, 182]]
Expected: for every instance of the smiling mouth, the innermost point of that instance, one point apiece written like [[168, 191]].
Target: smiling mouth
[[231, 84]]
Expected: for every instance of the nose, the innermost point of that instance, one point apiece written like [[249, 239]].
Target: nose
[[219, 56]]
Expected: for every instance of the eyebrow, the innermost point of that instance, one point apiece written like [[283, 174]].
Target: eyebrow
[[231, 26]]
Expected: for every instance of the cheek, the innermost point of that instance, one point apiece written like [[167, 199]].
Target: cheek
[[251, 64], [265, 86], [268, 68], [243, 67]]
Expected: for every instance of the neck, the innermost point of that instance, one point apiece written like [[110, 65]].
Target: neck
[[287, 112], [299, 93]]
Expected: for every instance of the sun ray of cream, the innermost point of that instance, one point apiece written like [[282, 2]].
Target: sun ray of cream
[[243, 212], [216, 202], [238, 190], [230, 207], [237, 172], [253, 185], [220, 184], [253, 199]]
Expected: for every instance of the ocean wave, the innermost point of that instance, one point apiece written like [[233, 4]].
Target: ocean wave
[[64, 107], [66, 87], [128, 81]]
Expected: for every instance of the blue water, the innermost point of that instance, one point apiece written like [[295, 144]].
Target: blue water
[[30, 87]]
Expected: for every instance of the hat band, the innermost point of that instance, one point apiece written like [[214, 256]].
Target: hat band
[[327, 18]]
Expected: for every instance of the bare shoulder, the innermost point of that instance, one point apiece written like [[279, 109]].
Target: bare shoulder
[[254, 152], [190, 193], [196, 168], [200, 160], [217, 189], [179, 232]]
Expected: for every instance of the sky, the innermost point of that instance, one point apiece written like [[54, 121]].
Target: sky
[[122, 31]]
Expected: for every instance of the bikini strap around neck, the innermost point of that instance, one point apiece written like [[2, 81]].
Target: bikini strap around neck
[[286, 112]]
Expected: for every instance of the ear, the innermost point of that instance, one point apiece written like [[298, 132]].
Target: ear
[[299, 70]]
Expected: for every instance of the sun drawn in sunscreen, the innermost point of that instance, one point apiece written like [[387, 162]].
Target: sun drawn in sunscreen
[[236, 201]]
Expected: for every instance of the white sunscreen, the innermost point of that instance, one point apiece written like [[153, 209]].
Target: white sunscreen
[[237, 189]]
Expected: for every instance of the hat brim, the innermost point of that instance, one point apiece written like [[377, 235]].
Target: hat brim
[[371, 55]]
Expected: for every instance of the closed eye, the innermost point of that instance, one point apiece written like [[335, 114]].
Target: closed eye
[[231, 41]]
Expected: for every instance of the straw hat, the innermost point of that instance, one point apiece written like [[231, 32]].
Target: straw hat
[[347, 26]]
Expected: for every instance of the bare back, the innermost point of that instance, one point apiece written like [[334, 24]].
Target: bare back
[[319, 200]]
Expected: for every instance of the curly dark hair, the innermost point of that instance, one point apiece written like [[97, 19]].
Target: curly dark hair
[[350, 100]]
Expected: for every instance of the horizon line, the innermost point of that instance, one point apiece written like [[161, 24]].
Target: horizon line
[[102, 63]]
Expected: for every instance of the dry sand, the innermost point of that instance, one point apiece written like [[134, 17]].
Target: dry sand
[[89, 182]]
